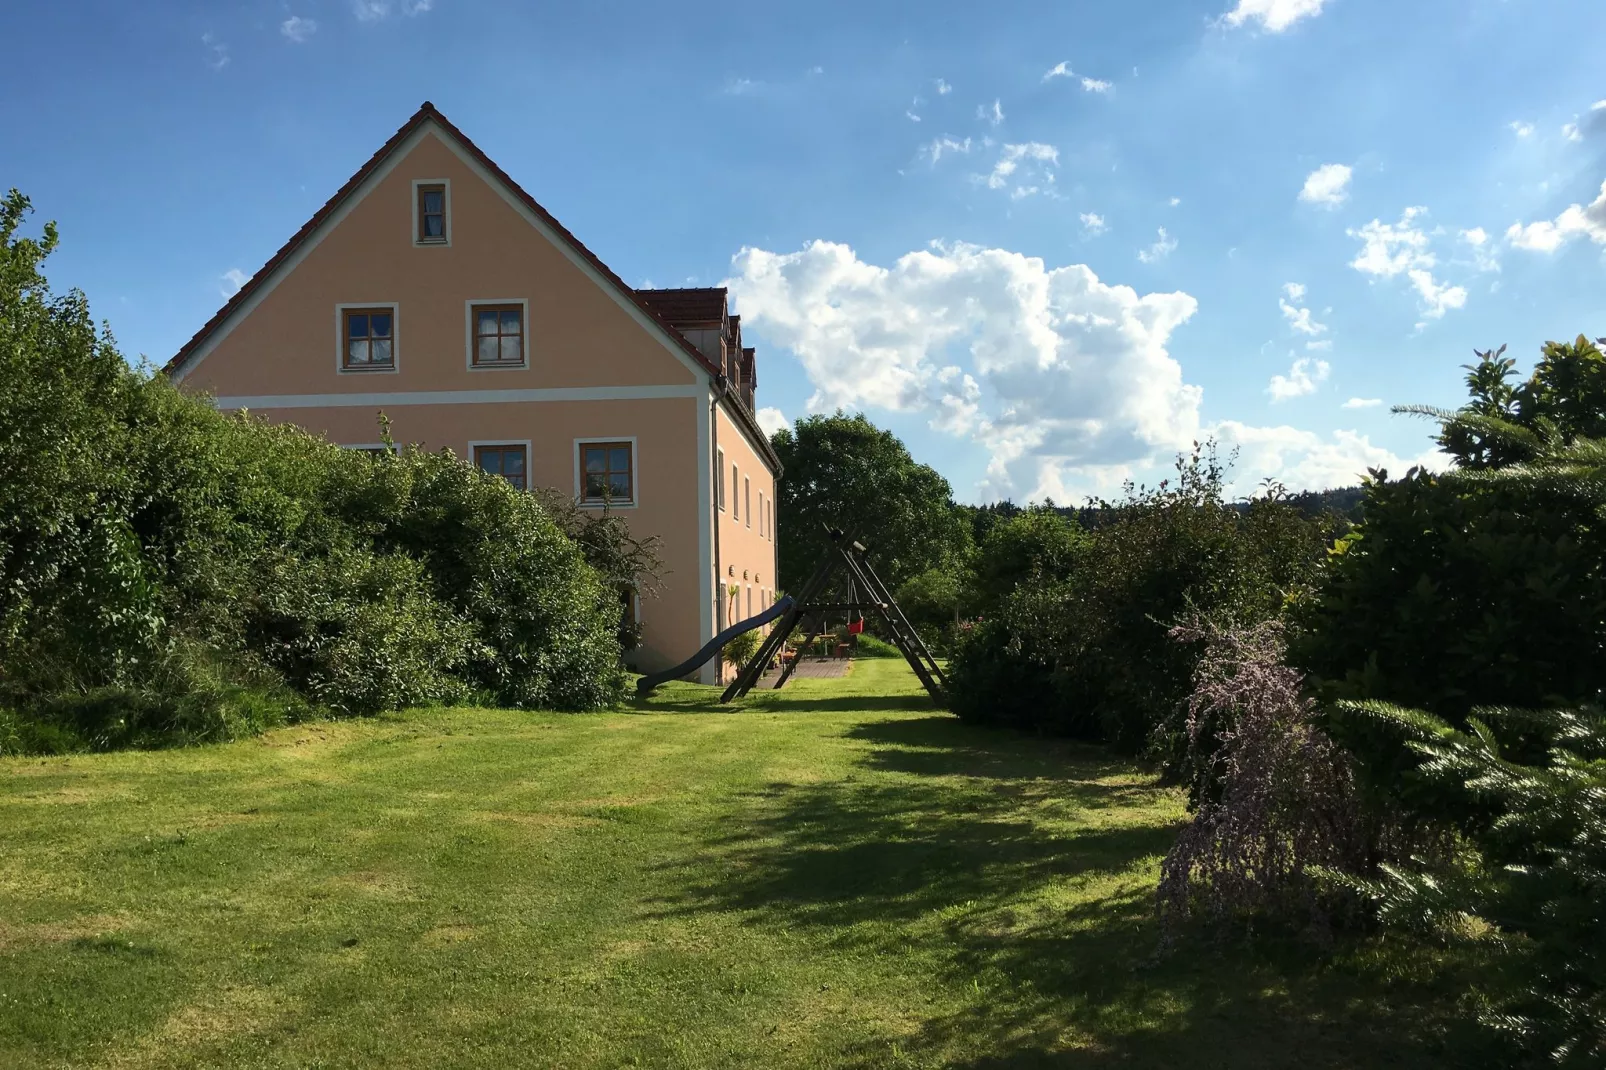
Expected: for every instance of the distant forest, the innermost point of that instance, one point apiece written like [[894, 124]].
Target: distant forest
[[1345, 501]]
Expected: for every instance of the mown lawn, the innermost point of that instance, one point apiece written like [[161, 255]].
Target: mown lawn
[[836, 875]]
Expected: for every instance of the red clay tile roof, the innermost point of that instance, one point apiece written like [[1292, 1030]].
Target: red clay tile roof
[[426, 113], [688, 307]]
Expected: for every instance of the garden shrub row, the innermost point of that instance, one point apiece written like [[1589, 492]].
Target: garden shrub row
[[169, 573], [1076, 640], [1400, 723]]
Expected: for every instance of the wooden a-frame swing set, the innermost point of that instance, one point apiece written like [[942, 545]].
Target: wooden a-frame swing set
[[847, 556]]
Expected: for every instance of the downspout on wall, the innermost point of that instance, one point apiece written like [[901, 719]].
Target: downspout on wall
[[720, 385]]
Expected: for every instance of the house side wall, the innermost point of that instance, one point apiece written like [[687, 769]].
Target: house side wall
[[747, 547]]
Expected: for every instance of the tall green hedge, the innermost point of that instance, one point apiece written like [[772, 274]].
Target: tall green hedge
[[169, 572]]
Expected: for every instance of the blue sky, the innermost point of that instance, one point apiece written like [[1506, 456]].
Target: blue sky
[[1048, 244]]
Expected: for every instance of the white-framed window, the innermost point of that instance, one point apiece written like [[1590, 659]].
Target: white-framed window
[[736, 503], [747, 500], [367, 338], [719, 477], [508, 459], [432, 212], [498, 333], [605, 472]]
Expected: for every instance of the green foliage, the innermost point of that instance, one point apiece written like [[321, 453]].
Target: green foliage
[[868, 646], [139, 525], [930, 601], [1485, 585], [357, 632], [740, 650], [1088, 655], [845, 472], [1039, 545], [1532, 881]]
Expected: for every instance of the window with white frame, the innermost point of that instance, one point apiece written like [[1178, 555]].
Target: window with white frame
[[719, 477], [736, 503], [747, 499], [498, 335], [510, 460], [368, 338], [607, 473]]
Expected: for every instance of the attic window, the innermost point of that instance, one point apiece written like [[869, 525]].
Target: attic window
[[430, 214]]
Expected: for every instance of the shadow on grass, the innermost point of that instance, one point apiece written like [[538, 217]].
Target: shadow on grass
[[700, 698], [998, 856]]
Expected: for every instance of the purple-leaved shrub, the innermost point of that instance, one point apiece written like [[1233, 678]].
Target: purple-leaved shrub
[[1274, 799]]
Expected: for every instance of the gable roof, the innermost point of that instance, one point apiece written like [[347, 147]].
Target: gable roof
[[689, 307], [427, 113]]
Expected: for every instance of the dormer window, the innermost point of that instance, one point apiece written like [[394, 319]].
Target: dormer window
[[430, 207]]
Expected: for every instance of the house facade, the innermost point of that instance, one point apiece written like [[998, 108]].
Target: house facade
[[431, 288]]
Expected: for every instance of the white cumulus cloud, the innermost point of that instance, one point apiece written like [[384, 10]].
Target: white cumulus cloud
[[1304, 376], [770, 419], [1061, 377], [1304, 460], [993, 114], [298, 29], [1548, 235], [1521, 129], [1062, 69], [1299, 317], [1437, 297], [233, 279], [945, 146], [1092, 224], [1274, 16], [1392, 249], [1363, 403], [943, 88], [1389, 249], [1163, 247], [1030, 158], [1328, 185]]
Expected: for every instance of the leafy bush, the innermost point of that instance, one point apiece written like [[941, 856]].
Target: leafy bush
[[545, 623], [930, 601], [1032, 545], [1482, 585], [868, 646], [358, 632], [1089, 656], [139, 525], [740, 650], [1533, 882]]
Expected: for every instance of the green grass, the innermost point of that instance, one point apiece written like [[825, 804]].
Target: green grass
[[835, 875]]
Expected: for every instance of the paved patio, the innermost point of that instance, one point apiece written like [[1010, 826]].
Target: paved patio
[[811, 669]]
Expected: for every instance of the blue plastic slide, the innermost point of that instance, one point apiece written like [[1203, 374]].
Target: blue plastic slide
[[713, 647]]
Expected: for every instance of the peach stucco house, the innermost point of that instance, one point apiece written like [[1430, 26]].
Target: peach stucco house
[[433, 289]]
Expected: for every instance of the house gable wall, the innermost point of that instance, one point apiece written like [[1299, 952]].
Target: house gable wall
[[580, 333]]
